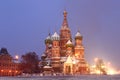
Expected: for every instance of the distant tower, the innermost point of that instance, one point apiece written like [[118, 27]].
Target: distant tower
[[55, 59], [69, 48], [79, 49], [65, 34]]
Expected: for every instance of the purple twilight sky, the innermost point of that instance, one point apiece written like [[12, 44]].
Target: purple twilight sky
[[24, 24]]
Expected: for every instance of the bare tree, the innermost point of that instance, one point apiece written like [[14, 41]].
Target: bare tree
[[30, 62]]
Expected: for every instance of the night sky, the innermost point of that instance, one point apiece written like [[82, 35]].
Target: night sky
[[24, 24]]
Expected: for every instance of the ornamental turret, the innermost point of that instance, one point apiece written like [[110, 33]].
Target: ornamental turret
[[79, 49], [79, 54], [55, 58], [69, 48], [48, 39], [78, 38], [48, 43], [55, 37]]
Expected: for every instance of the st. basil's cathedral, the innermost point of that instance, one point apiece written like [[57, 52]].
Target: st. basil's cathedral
[[62, 55]]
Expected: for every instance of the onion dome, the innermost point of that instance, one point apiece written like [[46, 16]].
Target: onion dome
[[48, 39], [55, 36], [78, 36], [69, 44]]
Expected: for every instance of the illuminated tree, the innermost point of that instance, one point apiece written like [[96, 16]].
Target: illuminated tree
[[100, 66]]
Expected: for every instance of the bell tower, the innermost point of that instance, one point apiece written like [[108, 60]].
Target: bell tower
[[65, 34]]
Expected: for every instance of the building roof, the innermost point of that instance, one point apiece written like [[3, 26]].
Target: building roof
[[69, 60], [69, 42], [43, 54], [55, 36], [78, 34], [47, 66], [49, 36], [48, 39]]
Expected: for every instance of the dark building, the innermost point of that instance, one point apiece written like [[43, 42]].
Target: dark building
[[8, 65]]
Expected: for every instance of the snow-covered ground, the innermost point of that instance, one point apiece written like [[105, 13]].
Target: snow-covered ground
[[82, 77]]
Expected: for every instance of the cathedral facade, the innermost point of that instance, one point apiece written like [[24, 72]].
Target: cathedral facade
[[62, 55]]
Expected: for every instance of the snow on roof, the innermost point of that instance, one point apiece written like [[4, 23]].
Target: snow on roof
[[47, 67], [69, 42], [78, 34], [64, 11], [43, 54], [48, 37], [55, 35], [69, 60]]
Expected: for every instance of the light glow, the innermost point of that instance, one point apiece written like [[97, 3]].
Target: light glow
[[96, 59], [107, 67], [16, 71], [1, 70], [16, 57], [10, 71], [111, 70]]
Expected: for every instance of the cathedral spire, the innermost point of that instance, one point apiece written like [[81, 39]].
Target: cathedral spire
[[65, 34], [65, 23]]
